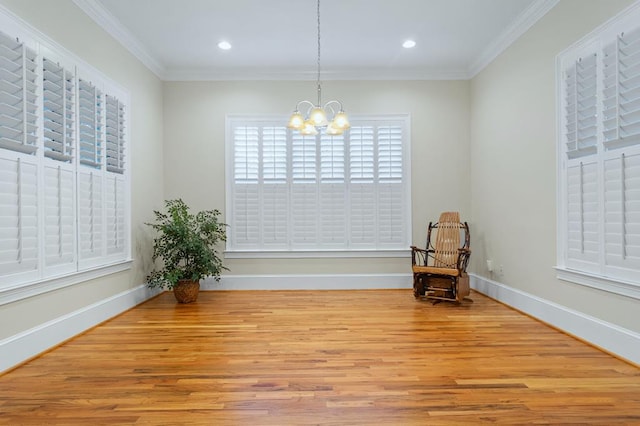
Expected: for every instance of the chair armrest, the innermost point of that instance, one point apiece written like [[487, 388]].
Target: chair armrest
[[418, 256], [463, 259]]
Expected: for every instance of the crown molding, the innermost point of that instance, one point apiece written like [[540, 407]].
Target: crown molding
[[96, 11], [253, 74], [521, 25]]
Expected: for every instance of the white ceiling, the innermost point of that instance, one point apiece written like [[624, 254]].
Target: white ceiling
[[276, 39]]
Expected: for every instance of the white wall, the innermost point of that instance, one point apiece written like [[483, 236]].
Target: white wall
[[194, 146], [68, 26], [513, 164]]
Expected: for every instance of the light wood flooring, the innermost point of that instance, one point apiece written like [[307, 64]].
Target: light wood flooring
[[321, 357]]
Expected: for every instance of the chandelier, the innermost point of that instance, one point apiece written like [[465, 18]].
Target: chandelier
[[330, 117]]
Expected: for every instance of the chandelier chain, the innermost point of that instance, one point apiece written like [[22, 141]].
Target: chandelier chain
[[330, 117], [318, 76]]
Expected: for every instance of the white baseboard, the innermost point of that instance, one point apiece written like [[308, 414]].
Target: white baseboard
[[610, 337], [310, 282], [21, 347]]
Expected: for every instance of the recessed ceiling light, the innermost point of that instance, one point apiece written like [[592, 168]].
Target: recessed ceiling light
[[224, 45], [408, 44]]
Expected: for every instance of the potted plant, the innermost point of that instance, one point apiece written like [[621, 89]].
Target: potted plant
[[187, 246]]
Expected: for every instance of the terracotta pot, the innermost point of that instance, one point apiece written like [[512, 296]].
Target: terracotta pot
[[186, 291]]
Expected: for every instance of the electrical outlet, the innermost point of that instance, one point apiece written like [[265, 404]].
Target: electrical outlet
[[489, 265], [501, 270]]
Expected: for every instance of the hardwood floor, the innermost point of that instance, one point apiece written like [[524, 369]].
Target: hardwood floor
[[321, 357]]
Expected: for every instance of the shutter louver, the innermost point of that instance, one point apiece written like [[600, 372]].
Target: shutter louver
[[303, 167], [275, 199], [246, 161], [115, 214], [90, 212], [332, 192], [363, 228], [18, 96], [274, 218], [363, 215], [274, 154], [622, 213], [583, 216], [304, 195], [58, 114], [59, 229], [581, 107], [390, 187], [90, 124], [361, 157], [246, 231], [333, 215], [246, 219], [18, 217], [621, 93], [114, 134], [304, 214]]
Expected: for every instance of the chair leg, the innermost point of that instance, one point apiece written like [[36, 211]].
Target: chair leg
[[418, 286]]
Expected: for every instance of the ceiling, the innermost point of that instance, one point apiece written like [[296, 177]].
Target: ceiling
[[277, 39]]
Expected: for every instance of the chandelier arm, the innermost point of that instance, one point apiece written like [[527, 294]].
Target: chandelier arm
[[309, 103], [330, 106]]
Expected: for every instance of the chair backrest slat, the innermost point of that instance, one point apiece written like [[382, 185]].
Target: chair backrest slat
[[447, 240]]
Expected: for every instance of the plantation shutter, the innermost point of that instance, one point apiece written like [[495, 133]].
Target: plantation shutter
[[58, 89], [90, 214], [363, 226], [59, 218], [246, 207], [19, 176], [275, 199], [63, 202], [18, 218], [115, 215], [304, 192], [58, 111], [91, 233], [293, 192], [622, 215], [114, 134], [600, 143], [332, 212], [90, 125], [621, 95], [18, 96], [583, 216], [114, 199], [390, 187], [621, 138], [581, 107]]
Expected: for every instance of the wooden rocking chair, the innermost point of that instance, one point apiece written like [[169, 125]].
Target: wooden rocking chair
[[440, 270]]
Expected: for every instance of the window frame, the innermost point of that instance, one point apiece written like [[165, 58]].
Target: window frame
[[598, 274], [297, 253], [46, 278]]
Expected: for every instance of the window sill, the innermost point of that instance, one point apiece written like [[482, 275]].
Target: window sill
[[616, 286], [302, 254], [23, 291]]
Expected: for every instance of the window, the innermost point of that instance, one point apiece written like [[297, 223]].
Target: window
[[288, 193], [599, 159], [63, 175]]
